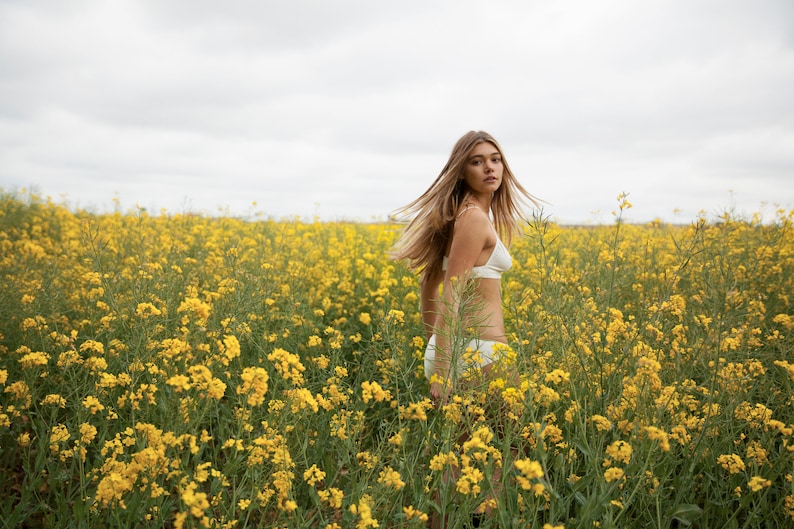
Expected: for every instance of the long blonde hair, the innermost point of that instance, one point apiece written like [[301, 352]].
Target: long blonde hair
[[432, 215]]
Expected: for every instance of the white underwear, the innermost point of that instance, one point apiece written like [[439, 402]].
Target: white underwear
[[482, 354]]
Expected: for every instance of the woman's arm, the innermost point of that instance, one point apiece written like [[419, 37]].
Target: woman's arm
[[472, 236], [428, 300]]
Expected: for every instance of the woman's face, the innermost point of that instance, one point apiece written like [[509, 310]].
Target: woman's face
[[483, 170]]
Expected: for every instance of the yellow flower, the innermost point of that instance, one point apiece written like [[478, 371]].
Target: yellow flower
[[469, 481], [179, 382], [788, 506], [54, 399], [658, 435], [416, 410], [230, 348], [613, 474], [196, 307], [757, 483], [92, 404], [288, 365], [254, 385], [95, 364], [364, 511], [196, 502], [332, 497], [92, 346], [112, 487], [365, 318], [731, 462], [59, 434], [757, 452], [313, 475], [321, 361], [619, 451], [391, 478], [439, 461], [367, 460], [23, 439], [37, 359], [529, 470], [396, 316], [147, 310], [87, 433], [373, 390], [411, 513], [558, 376], [301, 399]]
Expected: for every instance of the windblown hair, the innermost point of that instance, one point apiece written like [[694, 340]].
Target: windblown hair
[[432, 215]]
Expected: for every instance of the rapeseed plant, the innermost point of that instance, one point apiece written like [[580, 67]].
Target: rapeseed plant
[[190, 371]]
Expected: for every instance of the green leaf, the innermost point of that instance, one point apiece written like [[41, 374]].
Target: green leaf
[[686, 513]]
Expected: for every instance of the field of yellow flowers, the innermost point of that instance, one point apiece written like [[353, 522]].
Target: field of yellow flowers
[[192, 371]]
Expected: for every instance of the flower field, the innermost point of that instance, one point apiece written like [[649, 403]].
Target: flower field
[[191, 371]]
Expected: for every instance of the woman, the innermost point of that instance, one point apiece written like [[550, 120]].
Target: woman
[[454, 244]]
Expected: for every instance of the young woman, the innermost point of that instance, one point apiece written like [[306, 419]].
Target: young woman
[[455, 239]]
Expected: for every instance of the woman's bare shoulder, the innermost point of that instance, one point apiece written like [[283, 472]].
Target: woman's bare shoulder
[[473, 233], [472, 219]]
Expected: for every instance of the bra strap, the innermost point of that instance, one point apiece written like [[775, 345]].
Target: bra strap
[[467, 208]]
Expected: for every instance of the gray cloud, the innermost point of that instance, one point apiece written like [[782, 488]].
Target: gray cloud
[[349, 109]]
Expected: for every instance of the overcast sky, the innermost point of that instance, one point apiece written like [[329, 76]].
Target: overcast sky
[[349, 109]]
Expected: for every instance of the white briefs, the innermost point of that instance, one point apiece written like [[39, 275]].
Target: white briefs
[[484, 350]]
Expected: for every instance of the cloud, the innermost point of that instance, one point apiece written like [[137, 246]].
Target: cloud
[[349, 109]]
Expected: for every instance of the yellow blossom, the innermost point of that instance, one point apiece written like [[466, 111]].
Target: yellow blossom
[[254, 385], [658, 435], [332, 497], [731, 462], [613, 474], [411, 513], [391, 478], [147, 310], [313, 475], [59, 434], [364, 511], [529, 470], [439, 461], [36, 359], [468, 482], [92, 404], [619, 451], [288, 365], [373, 390], [396, 439], [87, 433], [54, 400], [757, 483], [196, 307]]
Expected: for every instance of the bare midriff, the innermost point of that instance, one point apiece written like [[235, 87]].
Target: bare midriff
[[484, 319]]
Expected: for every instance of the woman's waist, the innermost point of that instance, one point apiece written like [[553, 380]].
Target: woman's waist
[[495, 336]]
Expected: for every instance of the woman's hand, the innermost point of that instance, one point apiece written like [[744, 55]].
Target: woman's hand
[[439, 393]]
